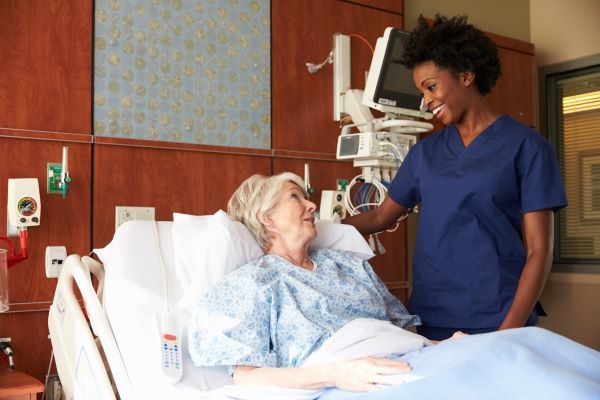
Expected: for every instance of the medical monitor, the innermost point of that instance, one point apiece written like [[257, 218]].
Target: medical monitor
[[390, 87]]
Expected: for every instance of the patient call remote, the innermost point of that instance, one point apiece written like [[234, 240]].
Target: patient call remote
[[170, 330]]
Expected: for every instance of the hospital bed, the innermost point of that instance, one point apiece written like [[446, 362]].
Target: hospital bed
[[118, 350], [117, 353]]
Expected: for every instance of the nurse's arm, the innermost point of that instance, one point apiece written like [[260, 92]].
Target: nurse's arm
[[538, 228], [378, 219]]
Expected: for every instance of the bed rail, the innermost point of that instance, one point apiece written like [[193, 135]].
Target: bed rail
[[78, 360]]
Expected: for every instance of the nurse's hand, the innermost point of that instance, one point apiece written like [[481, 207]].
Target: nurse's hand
[[408, 212], [456, 335], [362, 374]]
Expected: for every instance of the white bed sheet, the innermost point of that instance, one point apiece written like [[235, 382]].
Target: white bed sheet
[[131, 298]]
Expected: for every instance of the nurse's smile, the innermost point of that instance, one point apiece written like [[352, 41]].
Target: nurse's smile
[[438, 111]]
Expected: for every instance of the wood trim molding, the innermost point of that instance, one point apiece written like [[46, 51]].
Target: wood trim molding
[[28, 307], [305, 155], [308, 155], [181, 146], [51, 136]]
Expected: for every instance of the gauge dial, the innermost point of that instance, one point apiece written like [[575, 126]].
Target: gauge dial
[[27, 206]]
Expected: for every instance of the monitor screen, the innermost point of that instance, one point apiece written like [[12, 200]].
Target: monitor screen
[[348, 145], [395, 86]]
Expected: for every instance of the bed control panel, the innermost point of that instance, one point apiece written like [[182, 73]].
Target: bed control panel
[[170, 331]]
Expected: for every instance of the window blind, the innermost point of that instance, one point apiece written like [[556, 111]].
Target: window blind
[[578, 128]]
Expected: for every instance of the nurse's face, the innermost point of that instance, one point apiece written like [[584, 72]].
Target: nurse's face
[[444, 92], [293, 219]]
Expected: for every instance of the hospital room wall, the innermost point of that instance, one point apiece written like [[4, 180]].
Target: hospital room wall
[[46, 91], [45, 103]]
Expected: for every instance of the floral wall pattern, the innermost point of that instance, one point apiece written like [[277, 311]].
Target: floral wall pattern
[[194, 71]]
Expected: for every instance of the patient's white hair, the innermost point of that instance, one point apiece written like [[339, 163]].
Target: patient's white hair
[[259, 194]]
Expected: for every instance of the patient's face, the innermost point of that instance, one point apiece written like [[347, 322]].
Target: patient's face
[[293, 218]]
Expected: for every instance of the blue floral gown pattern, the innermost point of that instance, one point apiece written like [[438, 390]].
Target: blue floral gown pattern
[[271, 313]]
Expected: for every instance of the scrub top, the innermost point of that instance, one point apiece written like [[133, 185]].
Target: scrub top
[[469, 252]]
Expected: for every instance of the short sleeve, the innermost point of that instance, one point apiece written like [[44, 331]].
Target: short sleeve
[[394, 309], [405, 189], [539, 177], [232, 325]]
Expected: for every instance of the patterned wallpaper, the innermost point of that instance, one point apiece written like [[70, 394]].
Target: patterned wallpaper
[[195, 71]]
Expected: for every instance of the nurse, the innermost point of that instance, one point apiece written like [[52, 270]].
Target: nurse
[[487, 184]]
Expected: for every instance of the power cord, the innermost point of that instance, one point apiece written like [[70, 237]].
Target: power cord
[[7, 350]]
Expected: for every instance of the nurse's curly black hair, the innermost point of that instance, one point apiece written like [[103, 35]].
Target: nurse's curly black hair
[[454, 44]]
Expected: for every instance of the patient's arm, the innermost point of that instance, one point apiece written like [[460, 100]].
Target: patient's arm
[[354, 375]]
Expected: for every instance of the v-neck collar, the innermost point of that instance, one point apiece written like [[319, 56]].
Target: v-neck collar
[[294, 266], [459, 148]]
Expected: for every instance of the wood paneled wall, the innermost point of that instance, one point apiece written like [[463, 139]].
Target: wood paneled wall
[[45, 65], [45, 103], [169, 179]]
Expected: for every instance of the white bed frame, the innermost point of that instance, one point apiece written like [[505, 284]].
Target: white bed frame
[[82, 370]]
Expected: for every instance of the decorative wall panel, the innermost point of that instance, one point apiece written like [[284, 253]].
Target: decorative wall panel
[[195, 71]]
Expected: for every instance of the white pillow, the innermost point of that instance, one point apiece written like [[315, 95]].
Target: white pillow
[[134, 291], [332, 235], [208, 247]]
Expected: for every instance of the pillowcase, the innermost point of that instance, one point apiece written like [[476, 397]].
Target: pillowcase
[[331, 235], [208, 247], [134, 290]]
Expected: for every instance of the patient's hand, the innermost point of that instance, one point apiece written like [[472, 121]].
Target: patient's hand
[[363, 374]]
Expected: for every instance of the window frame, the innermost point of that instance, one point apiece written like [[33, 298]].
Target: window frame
[[547, 78]]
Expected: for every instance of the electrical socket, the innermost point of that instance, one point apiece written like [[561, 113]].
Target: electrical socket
[[127, 213]]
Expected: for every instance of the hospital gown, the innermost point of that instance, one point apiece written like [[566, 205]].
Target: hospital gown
[[271, 313]]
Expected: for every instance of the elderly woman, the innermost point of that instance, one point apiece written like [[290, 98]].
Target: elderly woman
[[267, 317]]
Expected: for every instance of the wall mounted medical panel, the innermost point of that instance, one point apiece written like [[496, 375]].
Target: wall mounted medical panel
[[63, 222]]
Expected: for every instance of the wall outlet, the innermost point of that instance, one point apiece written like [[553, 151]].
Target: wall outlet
[[127, 213], [55, 259]]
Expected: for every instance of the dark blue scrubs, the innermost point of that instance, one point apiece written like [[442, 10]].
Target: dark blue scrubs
[[469, 253]]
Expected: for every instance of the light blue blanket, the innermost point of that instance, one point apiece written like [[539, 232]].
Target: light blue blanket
[[525, 363]]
